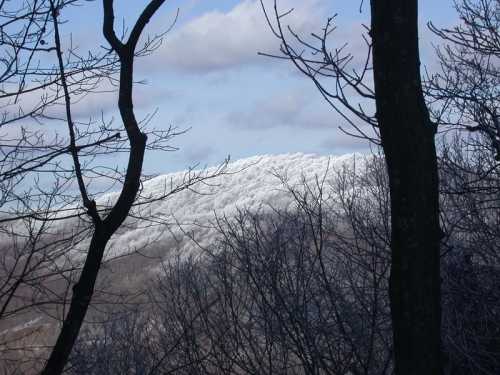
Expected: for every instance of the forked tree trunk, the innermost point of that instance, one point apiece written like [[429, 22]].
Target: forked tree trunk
[[105, 228], [407, 136]]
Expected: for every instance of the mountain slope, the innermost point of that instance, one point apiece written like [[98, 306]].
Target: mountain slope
[[250, 183], [140, 248]]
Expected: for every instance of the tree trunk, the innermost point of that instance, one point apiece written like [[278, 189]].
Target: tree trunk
[[82, 294], [407, 136], [104, 229]]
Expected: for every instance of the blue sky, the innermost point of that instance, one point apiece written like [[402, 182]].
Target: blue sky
[[207, 77]]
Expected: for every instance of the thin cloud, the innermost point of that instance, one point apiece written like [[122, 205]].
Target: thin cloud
[[341, 143], [289, 109]]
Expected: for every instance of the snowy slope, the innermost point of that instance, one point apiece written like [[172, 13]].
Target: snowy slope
[[251, 183]]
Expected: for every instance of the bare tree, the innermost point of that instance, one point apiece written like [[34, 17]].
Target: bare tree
[[464, 93], [51, 168], [464, 98], [470, 219], [402, 122], [33, 87], [103, 227], [31, 91]]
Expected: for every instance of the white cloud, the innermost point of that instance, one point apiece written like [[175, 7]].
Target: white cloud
[[218, 40]]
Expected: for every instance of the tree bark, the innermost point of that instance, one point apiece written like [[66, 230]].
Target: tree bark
[[407, 136]]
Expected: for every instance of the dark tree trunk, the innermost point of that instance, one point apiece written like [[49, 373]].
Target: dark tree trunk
[[82, 294], [407, 136], [105, 228]]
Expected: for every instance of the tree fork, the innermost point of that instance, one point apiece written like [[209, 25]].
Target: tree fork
[[104, 229]]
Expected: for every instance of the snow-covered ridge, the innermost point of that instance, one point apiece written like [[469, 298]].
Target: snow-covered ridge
[[249, 183]]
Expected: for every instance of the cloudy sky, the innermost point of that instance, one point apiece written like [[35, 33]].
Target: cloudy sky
[[208, 77]]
